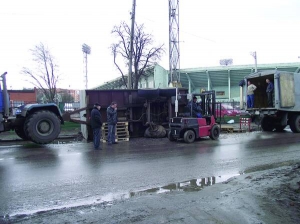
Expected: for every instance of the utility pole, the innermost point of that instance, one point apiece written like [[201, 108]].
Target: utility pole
[[131, 44]]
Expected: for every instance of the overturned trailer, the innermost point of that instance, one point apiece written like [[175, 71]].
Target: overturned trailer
[[138, 108]]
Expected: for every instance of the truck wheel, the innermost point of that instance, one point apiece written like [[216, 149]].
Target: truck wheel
[[295, 123], [189, 136], [256, 120], [280, 128], [21, 133], [170, 137], [214, 132], [267, 124], [42, 127]]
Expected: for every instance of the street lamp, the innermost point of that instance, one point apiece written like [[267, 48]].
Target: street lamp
[[255, 59], [86, 49]]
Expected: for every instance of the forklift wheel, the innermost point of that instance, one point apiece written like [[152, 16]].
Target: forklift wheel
[[189, 136], [170, 137], [214, 132]]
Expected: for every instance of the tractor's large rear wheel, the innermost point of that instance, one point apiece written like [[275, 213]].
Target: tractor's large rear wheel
[[42, 127], [214, 132], [21, 133], [189, 136]]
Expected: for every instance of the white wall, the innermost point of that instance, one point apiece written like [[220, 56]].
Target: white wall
[[82, 96], [160, 77]]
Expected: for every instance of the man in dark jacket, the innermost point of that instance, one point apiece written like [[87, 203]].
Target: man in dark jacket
[[112, 120], [194, 109], [269, 90], [96, 124]]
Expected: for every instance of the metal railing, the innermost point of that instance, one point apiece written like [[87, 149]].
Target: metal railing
[[16, 104]]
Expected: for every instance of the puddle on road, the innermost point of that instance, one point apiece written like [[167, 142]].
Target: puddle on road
[[185, 186], [108, 199]]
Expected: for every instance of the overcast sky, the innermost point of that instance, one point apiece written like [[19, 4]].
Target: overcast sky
[[209, 31]]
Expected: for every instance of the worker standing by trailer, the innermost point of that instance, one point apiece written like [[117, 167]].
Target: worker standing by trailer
[[269, 91]]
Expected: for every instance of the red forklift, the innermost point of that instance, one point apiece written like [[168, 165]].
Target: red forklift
[[190, 126]]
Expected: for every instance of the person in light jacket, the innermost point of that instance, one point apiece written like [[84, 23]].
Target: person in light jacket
[[112, 120], [250, 95]]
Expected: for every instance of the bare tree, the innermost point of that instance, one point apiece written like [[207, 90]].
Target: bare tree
[[226, 62], [144, 53], [45, 76], [66, 97]]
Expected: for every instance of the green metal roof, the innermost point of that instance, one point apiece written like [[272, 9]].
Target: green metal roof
[[218, 75], [118, 83]]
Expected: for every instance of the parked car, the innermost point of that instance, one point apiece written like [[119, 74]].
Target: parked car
[[227, 110]]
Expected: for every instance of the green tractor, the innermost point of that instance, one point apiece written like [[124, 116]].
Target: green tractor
[[39, 123]]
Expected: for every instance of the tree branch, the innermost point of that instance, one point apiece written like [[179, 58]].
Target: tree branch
[[144, 54], [45, 78]]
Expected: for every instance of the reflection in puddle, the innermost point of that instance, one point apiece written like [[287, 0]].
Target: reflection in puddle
[[186, 186]]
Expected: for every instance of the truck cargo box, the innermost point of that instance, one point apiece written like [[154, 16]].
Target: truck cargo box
[[286, 100]]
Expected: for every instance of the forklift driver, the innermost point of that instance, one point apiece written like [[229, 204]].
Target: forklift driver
[[194, 108]]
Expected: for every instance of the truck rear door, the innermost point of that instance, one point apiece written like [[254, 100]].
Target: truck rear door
[[286, 90]]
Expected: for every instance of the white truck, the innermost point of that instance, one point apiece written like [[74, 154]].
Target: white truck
[[286, 100]]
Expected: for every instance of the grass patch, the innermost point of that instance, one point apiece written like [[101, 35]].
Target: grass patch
[[67, 126], [70, 126]]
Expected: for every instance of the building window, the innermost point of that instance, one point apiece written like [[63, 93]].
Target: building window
[[150, 84], [220, 93]]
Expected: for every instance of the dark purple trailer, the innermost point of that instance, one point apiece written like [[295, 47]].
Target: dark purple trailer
[[137, 107]]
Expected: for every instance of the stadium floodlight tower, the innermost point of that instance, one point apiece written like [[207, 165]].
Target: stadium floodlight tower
[[254, 55], [86, 49], [174, 55]]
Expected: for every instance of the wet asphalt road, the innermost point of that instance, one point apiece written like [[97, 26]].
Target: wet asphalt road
[[38, 178]]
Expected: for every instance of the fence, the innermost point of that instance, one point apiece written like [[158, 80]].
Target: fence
[[15, 104], [64, 107], [228, 110]]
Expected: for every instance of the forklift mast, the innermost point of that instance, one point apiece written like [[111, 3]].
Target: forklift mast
[[208, 102]]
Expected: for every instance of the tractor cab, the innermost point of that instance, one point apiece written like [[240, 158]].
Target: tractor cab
[[197, 121]]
